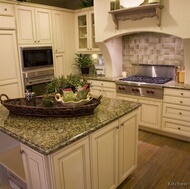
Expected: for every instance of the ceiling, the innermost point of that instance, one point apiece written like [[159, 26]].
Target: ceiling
[[69, 4]]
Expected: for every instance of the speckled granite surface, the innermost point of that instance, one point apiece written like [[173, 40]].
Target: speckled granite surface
[[175, 85], [46, 135]]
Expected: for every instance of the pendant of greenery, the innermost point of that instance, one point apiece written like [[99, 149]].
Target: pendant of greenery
[[60, 83], [86, 3]]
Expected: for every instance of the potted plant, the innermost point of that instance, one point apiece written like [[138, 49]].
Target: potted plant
[[84, 62]]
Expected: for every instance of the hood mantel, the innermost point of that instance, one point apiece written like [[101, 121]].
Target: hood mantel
[[175, 21]]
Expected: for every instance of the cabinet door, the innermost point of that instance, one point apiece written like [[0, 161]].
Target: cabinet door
[[128, 138], [92, 44], [82, 31], [58, 31], [43, 26], [35, 167], [85, 32], [150, 114], [108, 92], [10, 74], [25, 25], [59, 65], [71, 166], [105, 156]]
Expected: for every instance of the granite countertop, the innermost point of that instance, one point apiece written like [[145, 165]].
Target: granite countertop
[[171, 84], [47, 135], [176, 85]]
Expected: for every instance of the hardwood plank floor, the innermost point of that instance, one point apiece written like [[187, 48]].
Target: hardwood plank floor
[[163, 162]]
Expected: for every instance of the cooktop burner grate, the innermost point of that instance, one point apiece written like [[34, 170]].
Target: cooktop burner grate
[[147, 79]]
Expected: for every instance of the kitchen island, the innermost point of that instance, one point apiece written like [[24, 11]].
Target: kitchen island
[[88, 150]]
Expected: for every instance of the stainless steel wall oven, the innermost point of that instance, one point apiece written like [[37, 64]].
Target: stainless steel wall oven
[[37, 68]]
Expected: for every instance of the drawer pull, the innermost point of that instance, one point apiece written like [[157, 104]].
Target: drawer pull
[[179, 128], [180, 113], [181, 102], [181, 93]]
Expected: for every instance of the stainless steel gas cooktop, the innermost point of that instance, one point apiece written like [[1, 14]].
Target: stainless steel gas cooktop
[[147, 81]]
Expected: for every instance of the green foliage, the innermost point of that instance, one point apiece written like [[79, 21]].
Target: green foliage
[[60, 83], [83, 60], [86, 3]]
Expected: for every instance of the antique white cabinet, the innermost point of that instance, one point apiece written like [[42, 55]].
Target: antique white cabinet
[[176, 111], [114, 152], [58, 43], [10, 72], [105, 157], [34, 25], [36, 168], [58, 34], [105, 88], [7, 20], [150, 110], [71, 166], [85, 31]]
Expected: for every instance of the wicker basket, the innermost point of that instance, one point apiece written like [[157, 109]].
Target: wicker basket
[[18, 106]]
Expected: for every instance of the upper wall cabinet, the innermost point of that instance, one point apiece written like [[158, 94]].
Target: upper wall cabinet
[[58, 37], [7, 20], [85, 32], [34, 25]]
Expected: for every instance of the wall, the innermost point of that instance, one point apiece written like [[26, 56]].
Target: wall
[[152, 48], [174, 21]]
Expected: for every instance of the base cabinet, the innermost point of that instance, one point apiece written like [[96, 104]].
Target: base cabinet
[[71, 167], [114, 152], [101, 160], [104, 88], [35, 166], [150, 110], [105, 157], [176, 112]]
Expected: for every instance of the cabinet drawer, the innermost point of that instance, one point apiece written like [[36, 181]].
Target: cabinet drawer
[[102, 83], [177, 100], [6, 10], [7, 22], [176, 112], [176, 127], [177, 92]]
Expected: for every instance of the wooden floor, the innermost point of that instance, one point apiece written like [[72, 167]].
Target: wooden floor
[[162, 163]]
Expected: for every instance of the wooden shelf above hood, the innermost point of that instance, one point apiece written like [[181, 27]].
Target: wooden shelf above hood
[[137, 13]]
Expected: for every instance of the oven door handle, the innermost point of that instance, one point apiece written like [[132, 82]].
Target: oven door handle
[[38, 81]]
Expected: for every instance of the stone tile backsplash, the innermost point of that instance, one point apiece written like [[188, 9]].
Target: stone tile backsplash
[[152, 48]]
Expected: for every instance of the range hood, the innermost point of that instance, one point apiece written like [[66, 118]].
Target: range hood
[[174, 21]]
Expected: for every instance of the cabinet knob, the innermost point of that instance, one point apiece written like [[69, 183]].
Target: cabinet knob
[[180, 113], [21, 151], [5, 9], [179, 128], [122, 124], [117, 127], [38, 41], [181, 102], [181, 93]]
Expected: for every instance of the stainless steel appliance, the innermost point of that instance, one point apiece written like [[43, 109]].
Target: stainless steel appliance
[[36, 81], [147, 80], [37, 66], [36, 57]]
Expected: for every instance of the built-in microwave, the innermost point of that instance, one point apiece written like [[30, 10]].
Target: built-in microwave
[[36, 57]]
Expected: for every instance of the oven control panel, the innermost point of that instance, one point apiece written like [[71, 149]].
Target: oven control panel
[[140, 91]]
